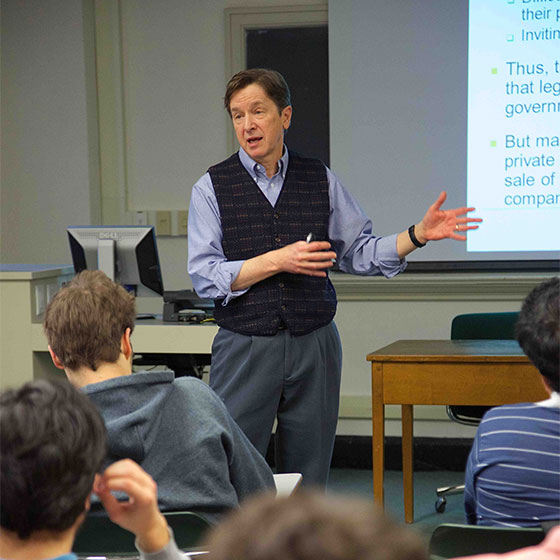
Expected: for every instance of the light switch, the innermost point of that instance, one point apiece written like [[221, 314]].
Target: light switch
[[183, 220], [163, 222]]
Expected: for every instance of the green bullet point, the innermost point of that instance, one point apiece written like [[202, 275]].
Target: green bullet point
[[510, 38], [494, 71], [493, 143]]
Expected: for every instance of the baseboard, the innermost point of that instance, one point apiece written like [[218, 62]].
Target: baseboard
[[430, 454]]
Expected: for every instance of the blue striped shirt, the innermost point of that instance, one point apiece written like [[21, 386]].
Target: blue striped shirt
[[513, 471]]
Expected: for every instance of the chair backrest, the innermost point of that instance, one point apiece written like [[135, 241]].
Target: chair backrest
[[451, 540], [188, 527], [481, 326], [484, 326], [99, 535]]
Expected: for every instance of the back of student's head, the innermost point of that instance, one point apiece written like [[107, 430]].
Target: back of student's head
[[86, 319], [311, 526], [538, 330], [52, 442]]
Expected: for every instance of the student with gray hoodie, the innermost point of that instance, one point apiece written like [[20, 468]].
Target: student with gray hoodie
[[178, 430]]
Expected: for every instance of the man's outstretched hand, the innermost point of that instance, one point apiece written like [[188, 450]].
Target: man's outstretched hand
[[445, 224]]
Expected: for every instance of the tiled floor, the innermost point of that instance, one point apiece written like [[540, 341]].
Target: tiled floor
[[359, 483]]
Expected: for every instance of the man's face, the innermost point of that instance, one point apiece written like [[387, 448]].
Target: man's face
[[259, 125]]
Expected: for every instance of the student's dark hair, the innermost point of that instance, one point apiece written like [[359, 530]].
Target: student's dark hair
[[86, 319], [271, 81], [52, 442], [310, 526], [538, 330]]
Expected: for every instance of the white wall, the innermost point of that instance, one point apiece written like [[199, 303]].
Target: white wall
[[174, 77], [399, 121], [49, 139]]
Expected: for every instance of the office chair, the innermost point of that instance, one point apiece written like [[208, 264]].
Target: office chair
[[100, 536], [451, 540], [469, 326]]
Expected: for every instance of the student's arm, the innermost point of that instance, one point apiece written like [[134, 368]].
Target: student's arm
[[470, 485], [140, 514], [249, 472]]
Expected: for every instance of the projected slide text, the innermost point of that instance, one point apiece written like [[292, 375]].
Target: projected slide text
[[513, 167]]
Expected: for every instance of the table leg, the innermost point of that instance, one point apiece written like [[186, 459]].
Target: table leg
[[407, 460], [378, 428]]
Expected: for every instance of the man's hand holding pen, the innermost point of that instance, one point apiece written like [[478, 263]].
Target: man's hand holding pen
[[312, 258], [305, 257]]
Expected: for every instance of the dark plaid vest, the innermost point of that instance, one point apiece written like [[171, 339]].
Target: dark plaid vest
[[251, 226]]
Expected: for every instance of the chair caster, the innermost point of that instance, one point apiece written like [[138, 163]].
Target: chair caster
[[440, 504]]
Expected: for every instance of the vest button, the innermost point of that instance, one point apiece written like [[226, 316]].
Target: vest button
[[283, 307], [278, 240], [276, 216], [281, 285]]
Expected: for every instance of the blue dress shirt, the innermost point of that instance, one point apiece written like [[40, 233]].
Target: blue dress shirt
[[350, 233]]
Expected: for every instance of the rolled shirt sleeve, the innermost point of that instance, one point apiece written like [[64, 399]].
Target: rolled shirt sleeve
[[351, 235], [169, 552], [211, 273]]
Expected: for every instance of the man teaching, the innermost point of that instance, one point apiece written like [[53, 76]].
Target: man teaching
[[265, 226]]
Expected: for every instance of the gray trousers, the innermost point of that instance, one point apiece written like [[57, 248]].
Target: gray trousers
[[295, 380]]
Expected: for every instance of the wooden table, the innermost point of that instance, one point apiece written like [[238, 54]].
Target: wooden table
[[441, 372]]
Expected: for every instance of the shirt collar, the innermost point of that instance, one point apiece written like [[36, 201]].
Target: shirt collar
[[552, 402], [251, 165]]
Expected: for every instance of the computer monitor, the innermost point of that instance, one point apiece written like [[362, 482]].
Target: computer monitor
[[127, 254]]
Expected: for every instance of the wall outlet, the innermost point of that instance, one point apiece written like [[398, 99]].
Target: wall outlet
[[163, 222], [141, 218]]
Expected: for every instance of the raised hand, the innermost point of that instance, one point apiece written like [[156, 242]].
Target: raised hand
[[140, 513], [445, 224]]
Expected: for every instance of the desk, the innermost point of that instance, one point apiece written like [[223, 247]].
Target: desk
[[24, 293], [441, 372], [153, 336]]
